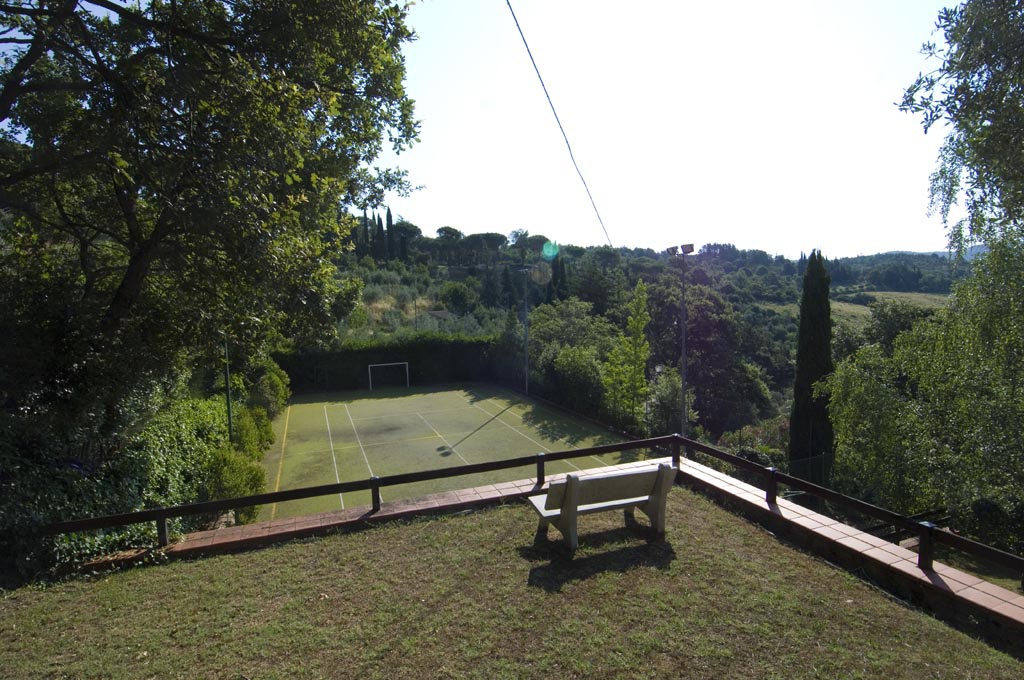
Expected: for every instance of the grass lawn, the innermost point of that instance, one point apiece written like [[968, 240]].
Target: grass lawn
[[350, 436], [472, 596]]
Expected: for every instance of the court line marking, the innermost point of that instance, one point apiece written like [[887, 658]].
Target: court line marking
[[524, 435], [507, 409], [392, 415], [280, 463], [334, 458], [360, 442], [450, 448]]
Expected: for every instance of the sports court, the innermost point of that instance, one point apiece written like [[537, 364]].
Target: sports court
[[349, 436]]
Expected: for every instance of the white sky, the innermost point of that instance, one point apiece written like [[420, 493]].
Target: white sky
[[768, 125]]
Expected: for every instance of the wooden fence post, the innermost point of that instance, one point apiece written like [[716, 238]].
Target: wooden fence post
[[540, 469], [375, 492], [771, 491], [926, 546], [675, 452], [162, 538]]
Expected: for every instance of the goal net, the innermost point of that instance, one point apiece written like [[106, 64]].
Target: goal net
[[389, 375]]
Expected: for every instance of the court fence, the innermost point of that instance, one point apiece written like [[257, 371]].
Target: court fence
[[677, 446]]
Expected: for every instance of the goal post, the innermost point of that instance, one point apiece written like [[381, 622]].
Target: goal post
[[394, 371]]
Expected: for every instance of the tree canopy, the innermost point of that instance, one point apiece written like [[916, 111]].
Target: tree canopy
[[174, 174], [978, 90]]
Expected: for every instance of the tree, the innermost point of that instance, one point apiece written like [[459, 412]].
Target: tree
[[938, 421], [457, 297], [889, 318], [625, 377], [392, 244], [978, 89], [810, 432], [380, 241], [449, 241], [171, 178]]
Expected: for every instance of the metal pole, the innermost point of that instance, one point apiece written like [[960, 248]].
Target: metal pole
[[227, 385], [526, 330], [682, 352]]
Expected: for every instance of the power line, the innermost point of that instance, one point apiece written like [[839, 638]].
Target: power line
[[564, 136]]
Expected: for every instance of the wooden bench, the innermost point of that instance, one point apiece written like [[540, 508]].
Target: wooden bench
[[646, 489]]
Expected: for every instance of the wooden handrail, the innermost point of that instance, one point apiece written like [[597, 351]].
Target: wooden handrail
[[928, 533]]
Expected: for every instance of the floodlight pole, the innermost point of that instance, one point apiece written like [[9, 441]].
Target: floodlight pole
[[227, 385], [683, 251], [526, 330]]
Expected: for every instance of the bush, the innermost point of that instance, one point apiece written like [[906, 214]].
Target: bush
[[232, 475], [253, 432], [270, 391]]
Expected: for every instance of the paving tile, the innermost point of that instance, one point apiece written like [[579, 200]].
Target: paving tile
[[829, 533], [943, 582], [874, 541], [899, 551], [911, 568], [957, 575], [1012, 611], [882, 556], [805, 522], [996, 591], [978, 597], [855, 543], [846, 529]]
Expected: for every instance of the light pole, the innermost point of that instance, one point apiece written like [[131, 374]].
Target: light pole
[[526, 329], [682, 251]]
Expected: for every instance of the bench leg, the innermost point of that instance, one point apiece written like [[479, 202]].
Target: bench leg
[[542, 530], [571, 537]]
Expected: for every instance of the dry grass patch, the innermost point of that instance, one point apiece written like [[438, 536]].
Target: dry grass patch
[[472, 596]]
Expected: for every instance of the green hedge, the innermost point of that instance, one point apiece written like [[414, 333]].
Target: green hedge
[[433, 359]]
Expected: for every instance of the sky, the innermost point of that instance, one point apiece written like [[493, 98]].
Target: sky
[[767, 125]]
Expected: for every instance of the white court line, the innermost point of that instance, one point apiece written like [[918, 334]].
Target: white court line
[[391, 416], [337, 478], [491, 399], [360, 442], [495, 417], [450, 448]]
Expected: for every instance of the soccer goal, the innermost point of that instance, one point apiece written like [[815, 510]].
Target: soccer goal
[[389, 375]]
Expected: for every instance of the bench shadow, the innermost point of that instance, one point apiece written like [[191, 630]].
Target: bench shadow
[[561, 567]]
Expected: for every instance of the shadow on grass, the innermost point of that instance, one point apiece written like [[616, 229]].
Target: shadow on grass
[[562, 568]]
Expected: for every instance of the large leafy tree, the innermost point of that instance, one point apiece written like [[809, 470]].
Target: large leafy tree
[[174, 174], [810, 431], [977, 91], [938, 423]]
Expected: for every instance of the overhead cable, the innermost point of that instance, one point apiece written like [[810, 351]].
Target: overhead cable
[[562, 129]]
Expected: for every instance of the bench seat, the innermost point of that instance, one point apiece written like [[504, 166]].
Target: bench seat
[[645, 489]]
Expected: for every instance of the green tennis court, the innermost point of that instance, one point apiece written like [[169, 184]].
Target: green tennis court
[[348, 436]]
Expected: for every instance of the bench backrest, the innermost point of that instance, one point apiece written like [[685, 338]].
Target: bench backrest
[[608, 487]]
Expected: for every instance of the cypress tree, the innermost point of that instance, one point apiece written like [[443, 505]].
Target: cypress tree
[[392, 247], [810, 431], [363, 237], [380, 248]]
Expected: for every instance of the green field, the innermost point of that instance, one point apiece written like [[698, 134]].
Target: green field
[[350, 436]]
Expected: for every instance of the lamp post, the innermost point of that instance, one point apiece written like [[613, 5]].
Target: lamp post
[[526, 330], [682, 251]]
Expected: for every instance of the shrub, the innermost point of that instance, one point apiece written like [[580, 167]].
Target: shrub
[[233, 474], [270, 391]]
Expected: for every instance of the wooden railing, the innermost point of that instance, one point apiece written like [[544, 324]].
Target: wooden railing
[[928, 534]]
